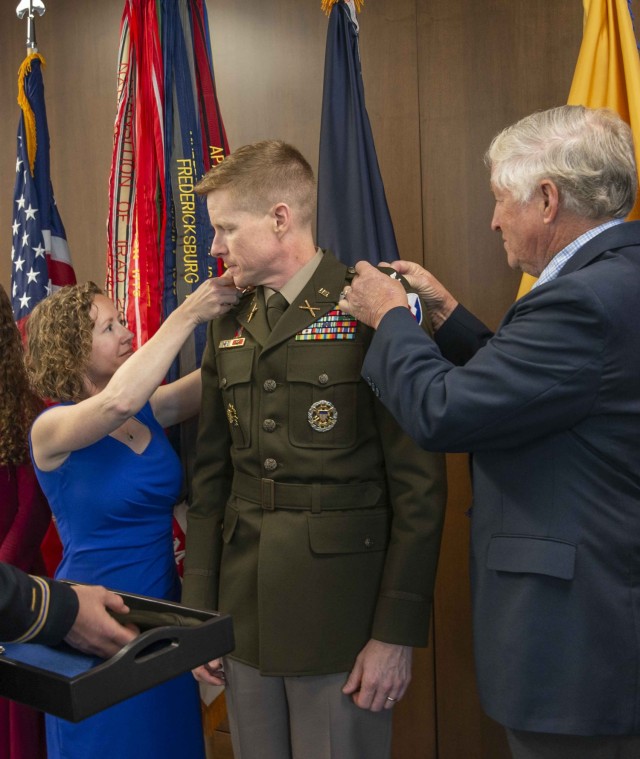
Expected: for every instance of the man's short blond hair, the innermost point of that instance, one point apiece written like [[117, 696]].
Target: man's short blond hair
[[263, 174]]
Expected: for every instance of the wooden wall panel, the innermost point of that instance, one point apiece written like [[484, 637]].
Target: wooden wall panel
[[389, 67], [268, 59], [481, 66]]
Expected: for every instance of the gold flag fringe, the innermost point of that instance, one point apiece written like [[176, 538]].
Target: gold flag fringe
[[23, 102], [327, 5]]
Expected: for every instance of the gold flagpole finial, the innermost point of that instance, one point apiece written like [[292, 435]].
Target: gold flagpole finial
[[327, 5]]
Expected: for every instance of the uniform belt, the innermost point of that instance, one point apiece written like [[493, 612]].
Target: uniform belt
[[308, 497]]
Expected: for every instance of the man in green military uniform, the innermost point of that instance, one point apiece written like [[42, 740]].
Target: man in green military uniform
[[315, 521]]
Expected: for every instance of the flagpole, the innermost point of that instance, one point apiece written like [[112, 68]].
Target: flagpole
[[27, 8]]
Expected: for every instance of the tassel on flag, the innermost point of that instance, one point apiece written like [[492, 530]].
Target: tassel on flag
[[327, 5], [40, 259], [168, 132], [135, 226]]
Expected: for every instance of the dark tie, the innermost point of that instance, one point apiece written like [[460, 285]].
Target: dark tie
[[276, 306]]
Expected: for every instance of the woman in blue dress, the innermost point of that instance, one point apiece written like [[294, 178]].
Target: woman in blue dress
[[112, 479]]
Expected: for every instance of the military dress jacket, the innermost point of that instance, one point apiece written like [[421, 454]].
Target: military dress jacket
[[550, 409], [315, 522]]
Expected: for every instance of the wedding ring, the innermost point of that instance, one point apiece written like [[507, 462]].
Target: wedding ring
[[391, 699]]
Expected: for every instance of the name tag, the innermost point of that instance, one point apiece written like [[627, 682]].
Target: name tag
[[235, 342]]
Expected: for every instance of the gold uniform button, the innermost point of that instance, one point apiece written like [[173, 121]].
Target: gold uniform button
[[269, 385], [270, 464], [368, 542], [323, 379], [268, 425], [223, 382]]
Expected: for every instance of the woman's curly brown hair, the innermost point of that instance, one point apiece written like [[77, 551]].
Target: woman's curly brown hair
[[59, 337], [19, 405]]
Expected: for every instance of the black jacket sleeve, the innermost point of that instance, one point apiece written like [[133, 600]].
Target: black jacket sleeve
[[33, 608]]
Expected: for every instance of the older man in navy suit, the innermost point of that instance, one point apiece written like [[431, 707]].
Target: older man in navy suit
[[550, 408]]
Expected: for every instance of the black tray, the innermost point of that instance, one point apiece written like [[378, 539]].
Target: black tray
[[64, 682]]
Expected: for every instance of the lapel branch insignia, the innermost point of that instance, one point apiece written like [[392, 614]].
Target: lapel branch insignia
[[308, 307]]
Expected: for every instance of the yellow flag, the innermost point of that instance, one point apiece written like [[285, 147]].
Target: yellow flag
[[607, 74]]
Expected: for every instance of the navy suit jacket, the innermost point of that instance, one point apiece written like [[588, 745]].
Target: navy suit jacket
[[550, 408]]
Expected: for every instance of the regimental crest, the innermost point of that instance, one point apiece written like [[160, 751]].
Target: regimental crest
[[322, 416], [232, 415]]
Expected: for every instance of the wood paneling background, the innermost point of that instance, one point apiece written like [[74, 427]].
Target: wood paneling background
[[441, 78]]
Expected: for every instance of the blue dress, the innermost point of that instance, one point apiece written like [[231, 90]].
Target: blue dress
[[114, 512]]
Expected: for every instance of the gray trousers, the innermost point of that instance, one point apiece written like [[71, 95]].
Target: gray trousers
[[526, 745], [300, 718]]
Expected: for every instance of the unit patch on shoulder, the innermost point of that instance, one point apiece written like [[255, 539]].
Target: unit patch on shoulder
[[413, 300], [415, 306]]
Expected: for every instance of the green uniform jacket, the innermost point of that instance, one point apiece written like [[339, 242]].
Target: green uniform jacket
[[315, 521]]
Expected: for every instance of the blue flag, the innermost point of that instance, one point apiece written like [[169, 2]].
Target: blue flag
[[40, 256], [353, 216], [189, 233]]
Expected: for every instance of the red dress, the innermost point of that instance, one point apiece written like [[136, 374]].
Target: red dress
[[24, 519]]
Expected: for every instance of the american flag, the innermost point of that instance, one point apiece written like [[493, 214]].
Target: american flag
[[40, 260]]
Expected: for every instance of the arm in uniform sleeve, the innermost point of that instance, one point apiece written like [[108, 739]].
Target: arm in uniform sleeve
[[417, 487], [34, 609], [416, 481], [211, 487]]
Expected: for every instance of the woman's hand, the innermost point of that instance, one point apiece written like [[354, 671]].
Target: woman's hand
[[213, 298]]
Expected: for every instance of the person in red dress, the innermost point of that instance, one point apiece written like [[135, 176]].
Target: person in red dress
[[24, 514]]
